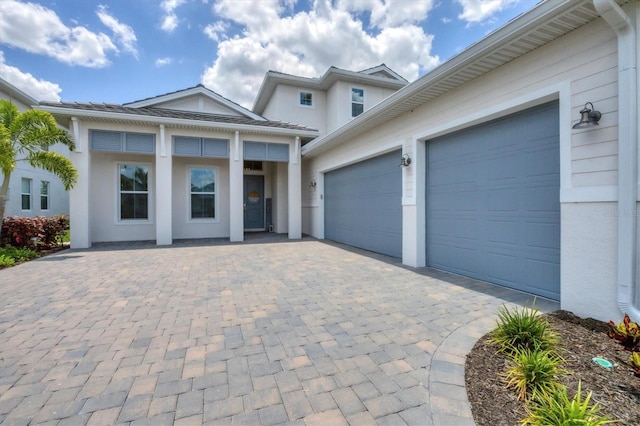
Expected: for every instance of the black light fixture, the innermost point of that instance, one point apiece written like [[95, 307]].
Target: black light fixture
[[313, 184], [405, 161], [589, 117]]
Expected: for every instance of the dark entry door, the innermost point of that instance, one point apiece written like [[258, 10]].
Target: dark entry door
[[254, 203]]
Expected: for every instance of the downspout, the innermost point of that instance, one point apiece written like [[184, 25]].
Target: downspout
[[624, 27]]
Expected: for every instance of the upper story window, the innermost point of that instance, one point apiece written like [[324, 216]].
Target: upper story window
[[44, 195], [357, 101], [134, 191], [306, 99], [26, 194]]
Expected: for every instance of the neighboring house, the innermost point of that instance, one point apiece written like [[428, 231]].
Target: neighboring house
[[328, 102], [33, 191], [475, 168], [501, 187], [187, 164]]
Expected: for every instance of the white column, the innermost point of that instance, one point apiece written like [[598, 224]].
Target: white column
[[295, 191], [413, 208], [236, 188], [79, 201], [163, 195]]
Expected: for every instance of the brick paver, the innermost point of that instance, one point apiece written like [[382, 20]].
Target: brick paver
[[264, 332]]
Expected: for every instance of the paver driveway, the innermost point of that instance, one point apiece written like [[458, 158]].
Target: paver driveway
[[256, 333]]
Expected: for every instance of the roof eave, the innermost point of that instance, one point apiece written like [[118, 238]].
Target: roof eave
[[102, 115]]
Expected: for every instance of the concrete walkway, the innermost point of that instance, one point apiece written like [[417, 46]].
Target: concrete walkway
[[264, 332]]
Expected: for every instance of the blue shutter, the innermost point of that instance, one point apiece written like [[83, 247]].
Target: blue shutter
[[140, 142], [277, 152], [187, 146], [215, 148], [102, 140], [255, 150]]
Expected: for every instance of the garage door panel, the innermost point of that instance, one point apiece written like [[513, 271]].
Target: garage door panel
[[505, 175], [363, 205]]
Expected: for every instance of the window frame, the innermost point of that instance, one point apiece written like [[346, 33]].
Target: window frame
[[23, 194], [118, 193], [216, 211], [45, 196], [306, 92], [352, 102]]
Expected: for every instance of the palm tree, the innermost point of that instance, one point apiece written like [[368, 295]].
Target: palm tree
[[26, 136]]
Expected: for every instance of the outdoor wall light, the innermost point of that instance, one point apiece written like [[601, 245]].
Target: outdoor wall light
[[313, 184], [589, 117], [405, 161]]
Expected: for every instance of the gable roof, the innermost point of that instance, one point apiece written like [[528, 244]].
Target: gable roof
[[15, 93], [546, 22], [195, 90], [380, 76], [63, 111]]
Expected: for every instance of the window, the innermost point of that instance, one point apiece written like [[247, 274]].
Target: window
[[134, 191], [203, 193], [26, 194], [357, 101], [44, 195], [306, 99]]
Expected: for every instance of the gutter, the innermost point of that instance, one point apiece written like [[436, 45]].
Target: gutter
[[625, 29]]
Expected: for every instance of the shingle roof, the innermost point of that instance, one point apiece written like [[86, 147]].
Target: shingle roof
[[173, 113]]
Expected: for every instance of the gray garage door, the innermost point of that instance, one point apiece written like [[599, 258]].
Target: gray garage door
[[493, 202], [363, 205]]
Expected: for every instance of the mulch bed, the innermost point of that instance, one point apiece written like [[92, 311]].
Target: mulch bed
[[616, 390]]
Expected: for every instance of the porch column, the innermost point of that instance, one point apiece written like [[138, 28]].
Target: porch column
[[295, 191], [164, 176], [236, 186], [79, 201]]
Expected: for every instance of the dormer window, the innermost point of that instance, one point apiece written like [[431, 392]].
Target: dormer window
[[357, 101], [306, 99]]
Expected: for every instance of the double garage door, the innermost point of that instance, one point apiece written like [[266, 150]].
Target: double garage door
[[492, 202]]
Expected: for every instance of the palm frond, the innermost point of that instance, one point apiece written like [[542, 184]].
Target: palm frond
[[56, 164]]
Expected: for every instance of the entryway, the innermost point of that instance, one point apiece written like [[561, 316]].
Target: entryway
[[254, 203]]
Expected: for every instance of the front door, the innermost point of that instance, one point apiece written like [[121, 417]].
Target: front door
[[254, 203]]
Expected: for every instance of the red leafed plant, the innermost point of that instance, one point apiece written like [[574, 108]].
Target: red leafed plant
[[626, 333], [23, 232]]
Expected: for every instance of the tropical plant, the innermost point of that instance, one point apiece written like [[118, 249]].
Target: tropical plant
[[27, 136], [18, 254], [626, 333], [6, 261], [522, 329], [557, 409], [532, 373], [635, 361]]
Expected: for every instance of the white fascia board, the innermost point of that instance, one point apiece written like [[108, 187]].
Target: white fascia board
[[501, 37], [14, 92], [177, 121], [198, 90]]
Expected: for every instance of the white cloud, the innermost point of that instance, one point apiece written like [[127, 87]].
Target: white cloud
[[216, 31], [308, 43], [41, 90], [389, 13], [474, 11], [36, 29], [170, 19], [161, 62], [124, 33]]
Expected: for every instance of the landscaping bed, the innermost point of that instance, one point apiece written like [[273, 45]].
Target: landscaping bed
[[616, 390]]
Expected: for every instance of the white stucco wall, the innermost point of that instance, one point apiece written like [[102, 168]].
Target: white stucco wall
[[577, 68], [284, 105]]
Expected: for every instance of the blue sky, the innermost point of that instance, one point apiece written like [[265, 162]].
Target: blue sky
[[119, 51]]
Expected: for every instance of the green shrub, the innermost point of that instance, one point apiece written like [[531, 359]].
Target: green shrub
[[522, 329], [6, 261], [18, 254], [532, 373], [557, 409]]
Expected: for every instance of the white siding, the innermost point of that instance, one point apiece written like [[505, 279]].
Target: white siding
[[284, 105]]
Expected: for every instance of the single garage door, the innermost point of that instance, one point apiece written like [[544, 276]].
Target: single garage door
[[363, 205], [493, 202]]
